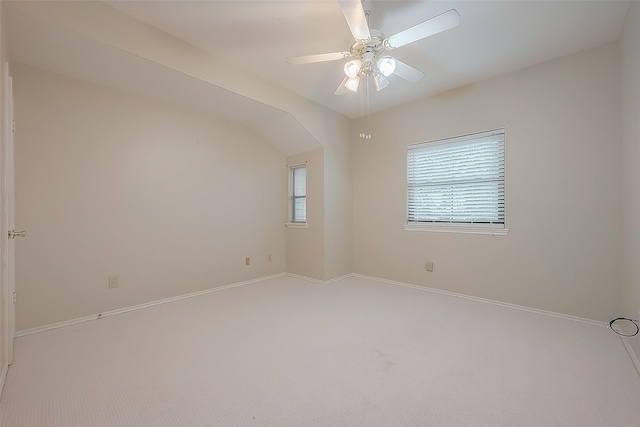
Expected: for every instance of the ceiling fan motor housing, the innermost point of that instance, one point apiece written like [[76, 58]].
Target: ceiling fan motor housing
[[368, 51]]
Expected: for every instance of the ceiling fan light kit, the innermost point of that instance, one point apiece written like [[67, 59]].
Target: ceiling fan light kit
[[352, 68], [369, 45], [380, 81], [352, 83], [386, 65]]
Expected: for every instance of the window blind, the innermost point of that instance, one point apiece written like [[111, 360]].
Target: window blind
[[457, 181], [299, 194]]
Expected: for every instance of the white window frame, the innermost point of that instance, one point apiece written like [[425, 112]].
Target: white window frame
[[480, 227], [293, 223]]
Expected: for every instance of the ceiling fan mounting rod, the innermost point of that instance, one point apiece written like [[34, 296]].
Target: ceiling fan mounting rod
[[366, 7]]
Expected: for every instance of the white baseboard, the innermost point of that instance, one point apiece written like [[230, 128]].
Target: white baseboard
[[308, 279], [3, 377], [632, 354], [318, 281], [337, 279], [138, 307], [457, 295], [625, 341], [70, 322], [489, 301], [321, 282]]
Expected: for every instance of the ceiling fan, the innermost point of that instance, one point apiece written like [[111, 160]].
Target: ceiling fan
[[367, 52]]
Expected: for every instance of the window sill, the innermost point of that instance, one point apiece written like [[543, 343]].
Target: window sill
[[296, 225], [457, 229]]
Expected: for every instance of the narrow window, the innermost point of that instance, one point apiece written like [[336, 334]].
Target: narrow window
[[299, 194], [457, 183]]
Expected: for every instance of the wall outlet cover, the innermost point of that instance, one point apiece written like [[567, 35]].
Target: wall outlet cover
[[113, 282]]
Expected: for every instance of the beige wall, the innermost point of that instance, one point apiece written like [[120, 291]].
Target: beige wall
[[334, 131], [323, 250], [630, 58], [107, 183], [305, 246], [331, 130], [563, 193], [338, 247], [3, 285]]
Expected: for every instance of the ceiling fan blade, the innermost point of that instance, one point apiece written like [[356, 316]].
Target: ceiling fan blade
[[342, 89], [432, 26], [322, 57], [356, 18], [407, 72]]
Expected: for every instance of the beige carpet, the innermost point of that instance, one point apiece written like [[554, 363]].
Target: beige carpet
[[287, 352]]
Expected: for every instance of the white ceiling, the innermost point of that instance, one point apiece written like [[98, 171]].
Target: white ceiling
[[493, 38]]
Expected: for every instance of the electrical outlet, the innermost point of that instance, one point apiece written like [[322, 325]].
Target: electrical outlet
[[247, 261], [113, 282], [429, 266]]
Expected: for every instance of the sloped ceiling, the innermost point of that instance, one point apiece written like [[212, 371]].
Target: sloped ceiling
[[50, 46], [493, 38], [227, 58]]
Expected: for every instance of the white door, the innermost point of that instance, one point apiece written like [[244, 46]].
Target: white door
[[7, 228]]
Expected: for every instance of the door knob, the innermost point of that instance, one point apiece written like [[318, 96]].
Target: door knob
[[13, 234]]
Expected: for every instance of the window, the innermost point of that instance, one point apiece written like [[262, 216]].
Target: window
[[457, 184], [299, 194]]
